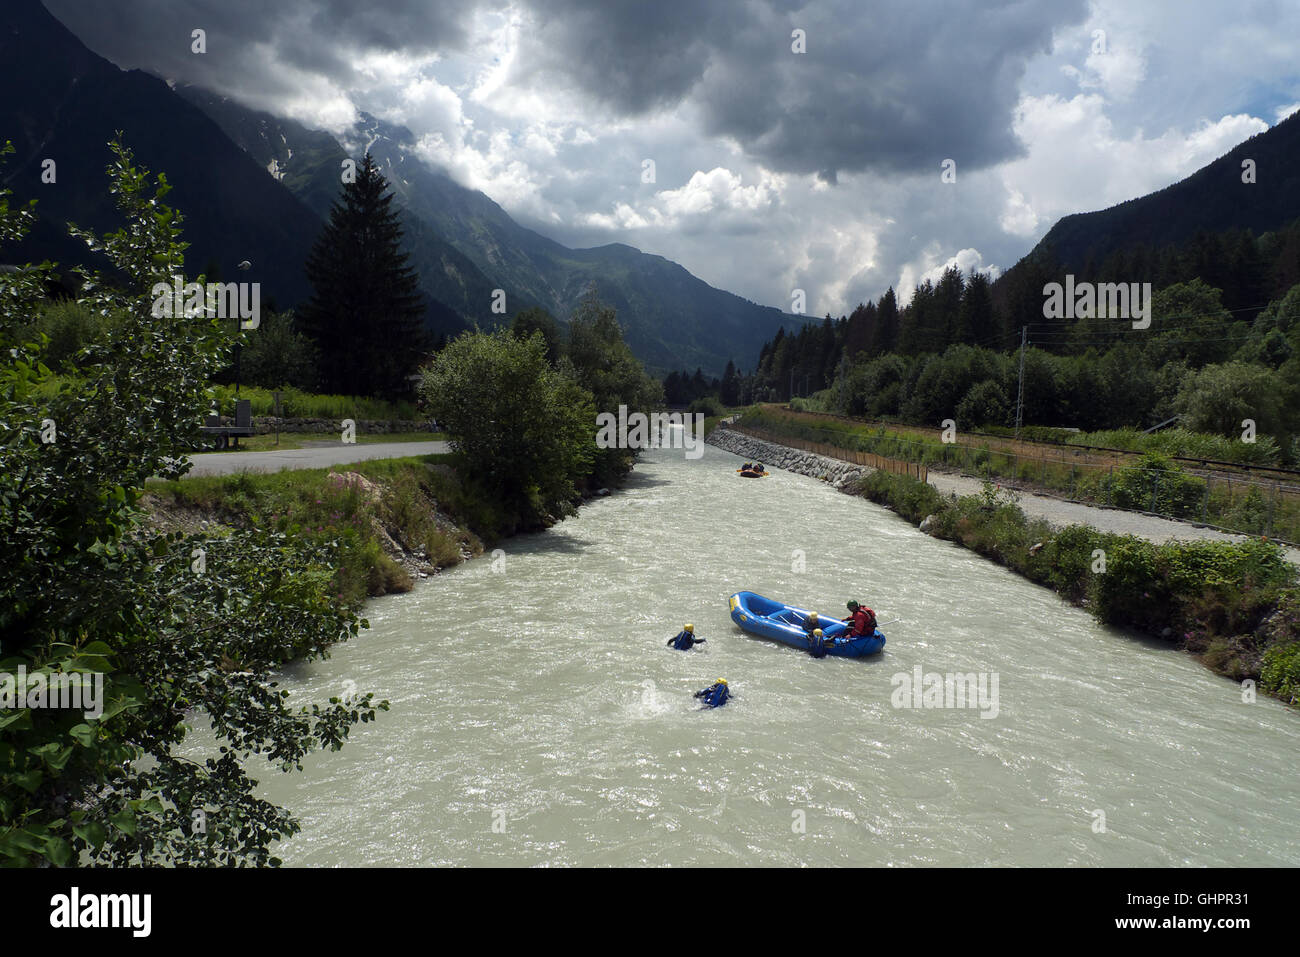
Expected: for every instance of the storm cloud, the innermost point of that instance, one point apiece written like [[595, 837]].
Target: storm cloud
[[775, 170], [896, 85]]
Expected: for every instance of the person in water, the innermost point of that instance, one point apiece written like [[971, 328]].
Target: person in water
[[685, 639], [817, 644], [716, 694], [861, 620]]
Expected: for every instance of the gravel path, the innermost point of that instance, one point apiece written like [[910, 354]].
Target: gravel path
[[1119, 521]]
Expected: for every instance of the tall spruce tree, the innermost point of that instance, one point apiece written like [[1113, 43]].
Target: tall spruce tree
[[366, 312]]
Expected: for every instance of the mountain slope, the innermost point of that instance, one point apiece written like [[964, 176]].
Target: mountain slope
[[671, 318], [1213, 199], [63, 102], [465, 246], [309, 164]]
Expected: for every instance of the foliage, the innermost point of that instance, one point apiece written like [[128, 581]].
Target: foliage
[[708, 405], [294, 403], [366, 313], [1155, 484], [1280, 675], [70, 326], [1219, 398], [173, 623], [528, 322], [276, 354], [522, 431], [601, 363], [983, 404]]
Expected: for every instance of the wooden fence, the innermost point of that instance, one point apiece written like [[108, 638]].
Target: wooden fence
[[869, 459]]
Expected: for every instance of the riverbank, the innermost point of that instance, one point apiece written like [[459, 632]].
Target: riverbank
[[393, 520], [1235, 605], [1057, 512], [1203, 495], [834, 471]]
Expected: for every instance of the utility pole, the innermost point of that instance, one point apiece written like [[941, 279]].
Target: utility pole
[[791, 382], [1020, 389]]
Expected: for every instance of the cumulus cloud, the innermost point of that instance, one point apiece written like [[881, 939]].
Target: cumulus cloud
[[775, 170], [1077, 160]]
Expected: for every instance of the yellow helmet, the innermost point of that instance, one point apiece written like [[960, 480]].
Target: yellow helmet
[[812, 616], [817, 632], [690, 628], [722, 681]]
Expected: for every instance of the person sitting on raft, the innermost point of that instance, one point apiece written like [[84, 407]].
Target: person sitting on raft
[[747, 467], [716, 694], [817, 644], [811, 623], [861, 620], [685, 639], [758, 467]]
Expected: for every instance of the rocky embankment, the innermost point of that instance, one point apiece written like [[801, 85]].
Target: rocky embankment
[[837, 473]]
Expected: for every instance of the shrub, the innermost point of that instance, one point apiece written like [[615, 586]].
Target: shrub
[[1280, 675], [1156, 484], [984, 404], [709, 405]]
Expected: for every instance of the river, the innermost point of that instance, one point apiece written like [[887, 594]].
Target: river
[[538, 718]]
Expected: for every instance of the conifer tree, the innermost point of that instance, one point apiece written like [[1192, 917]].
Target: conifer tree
[[366, 312]]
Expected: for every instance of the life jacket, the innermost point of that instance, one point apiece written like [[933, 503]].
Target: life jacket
[[864, 622], [684, 641], [717, 695]]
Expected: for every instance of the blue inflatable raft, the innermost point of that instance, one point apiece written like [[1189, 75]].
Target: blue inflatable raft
[[771, 619]]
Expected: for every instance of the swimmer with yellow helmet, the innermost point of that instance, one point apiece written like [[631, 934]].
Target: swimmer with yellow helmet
[[685, 639], [716, 694]]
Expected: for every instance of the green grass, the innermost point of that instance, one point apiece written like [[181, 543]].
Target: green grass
[[294, 403], [305, 502], [1180, 443]]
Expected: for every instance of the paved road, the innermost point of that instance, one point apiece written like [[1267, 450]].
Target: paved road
[[313, 457], [1119, 521]]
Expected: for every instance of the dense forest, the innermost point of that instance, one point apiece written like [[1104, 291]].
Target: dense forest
[[1223, 345]]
